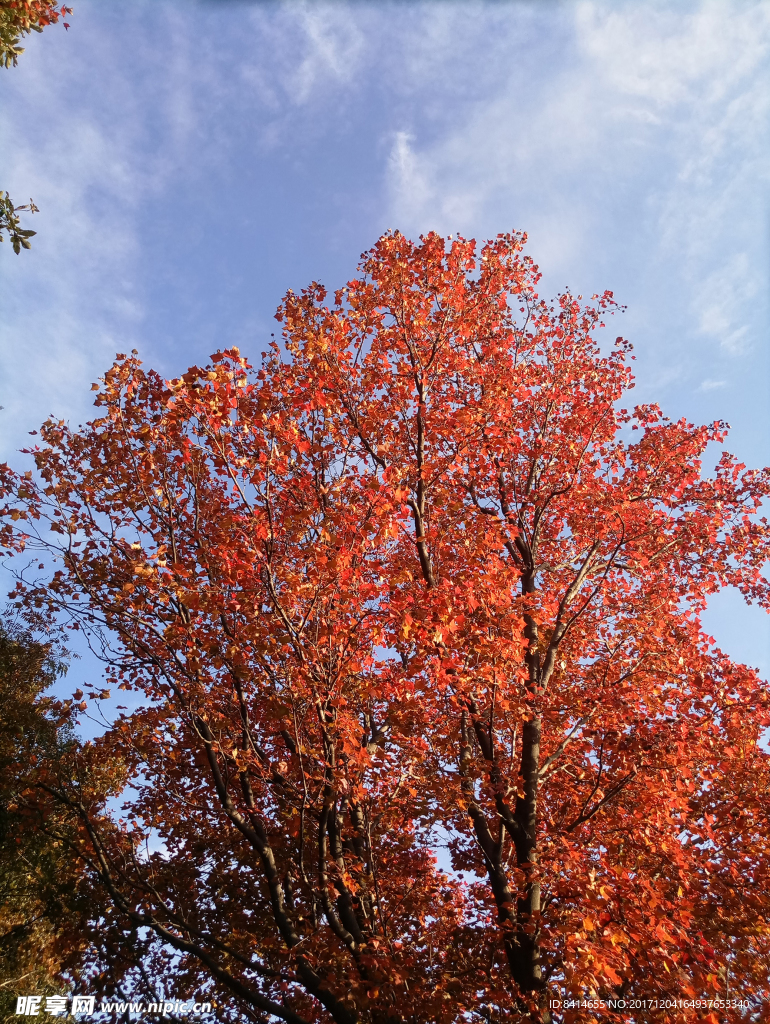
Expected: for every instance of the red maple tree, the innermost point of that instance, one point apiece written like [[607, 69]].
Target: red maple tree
[[432, 730]]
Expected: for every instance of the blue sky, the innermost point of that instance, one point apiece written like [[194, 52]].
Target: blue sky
[[193, 160]]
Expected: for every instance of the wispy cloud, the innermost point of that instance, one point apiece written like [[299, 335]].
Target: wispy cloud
[[298, 52], [712, 385], [410, 186], [723, 298]]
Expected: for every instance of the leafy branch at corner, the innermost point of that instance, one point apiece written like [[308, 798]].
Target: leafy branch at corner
[[20, 17], [17, 19]]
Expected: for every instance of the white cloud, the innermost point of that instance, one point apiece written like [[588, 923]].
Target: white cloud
[[712, 385]]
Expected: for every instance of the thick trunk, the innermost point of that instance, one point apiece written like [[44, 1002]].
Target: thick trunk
[[518, 917]]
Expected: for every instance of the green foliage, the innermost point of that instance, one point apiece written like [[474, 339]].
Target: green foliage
[[11, 225]]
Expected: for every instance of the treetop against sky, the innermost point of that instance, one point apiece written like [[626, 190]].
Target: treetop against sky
[[232, 150]]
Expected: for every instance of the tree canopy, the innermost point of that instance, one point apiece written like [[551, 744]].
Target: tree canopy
[[431, 728]]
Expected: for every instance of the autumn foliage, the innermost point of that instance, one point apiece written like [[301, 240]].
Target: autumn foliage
[[431, 731], [20, 17]]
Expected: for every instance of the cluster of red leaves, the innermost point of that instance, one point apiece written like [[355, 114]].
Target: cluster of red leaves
[[416, 585], [32, 15]]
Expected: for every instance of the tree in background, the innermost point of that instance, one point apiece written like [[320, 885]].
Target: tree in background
[[46, 902], [34, 876], [17, 19], [432, 730]]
